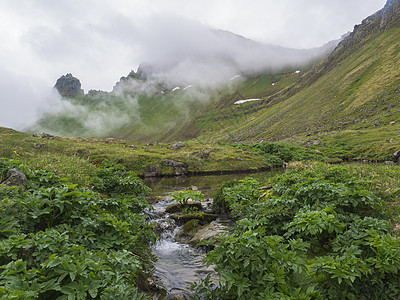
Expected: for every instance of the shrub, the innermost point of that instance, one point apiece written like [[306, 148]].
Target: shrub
[[183, 196], [114, 179], [237, 196], [59, 241], [314, 234], [277, 153]]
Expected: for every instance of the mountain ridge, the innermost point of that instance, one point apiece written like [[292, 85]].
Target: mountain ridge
[[367, 55], [346, 90]]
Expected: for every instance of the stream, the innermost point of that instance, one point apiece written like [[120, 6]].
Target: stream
[[180, 265]]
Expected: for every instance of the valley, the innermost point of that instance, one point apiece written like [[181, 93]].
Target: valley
[[295, 157]]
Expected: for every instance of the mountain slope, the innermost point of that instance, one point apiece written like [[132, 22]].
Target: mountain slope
[[164, 98], [356, 87]]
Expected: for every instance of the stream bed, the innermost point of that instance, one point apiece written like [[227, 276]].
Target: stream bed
[[179, 264]]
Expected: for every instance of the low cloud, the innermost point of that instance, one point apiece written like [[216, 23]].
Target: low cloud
[[99, 41]]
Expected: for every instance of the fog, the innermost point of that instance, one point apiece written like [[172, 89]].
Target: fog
[[186, 43]]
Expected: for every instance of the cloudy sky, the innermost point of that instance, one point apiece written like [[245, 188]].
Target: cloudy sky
[[99, 41]]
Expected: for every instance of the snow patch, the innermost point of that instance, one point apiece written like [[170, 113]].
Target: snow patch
[[234, 77], [297, 72], [176, 88], [188, 87], [245, 100]]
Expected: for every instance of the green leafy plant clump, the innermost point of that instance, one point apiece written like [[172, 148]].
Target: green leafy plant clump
[[279, 153], [60, 241], [309, 234], [183, 196]]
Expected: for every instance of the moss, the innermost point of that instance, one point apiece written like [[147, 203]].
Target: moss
[[179, 207], [190, 226], [203, 218]]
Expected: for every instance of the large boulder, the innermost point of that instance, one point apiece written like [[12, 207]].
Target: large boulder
[[15, 177], [173, 163], [209, 231], [69, 86], [180, 167]]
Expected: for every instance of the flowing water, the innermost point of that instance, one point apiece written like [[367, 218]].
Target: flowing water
[[180, 265]]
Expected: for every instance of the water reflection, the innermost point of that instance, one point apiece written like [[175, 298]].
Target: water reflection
[[208, 184]]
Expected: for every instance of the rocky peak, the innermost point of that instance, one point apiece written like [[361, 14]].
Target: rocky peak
[[382, 20], [69, 86], [390, 15]]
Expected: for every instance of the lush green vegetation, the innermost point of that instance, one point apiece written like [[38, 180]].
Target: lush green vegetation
[[61, 241], [318, 231], [79, 158], [183, 196], [279, 153], [354, 92], [315, 232]]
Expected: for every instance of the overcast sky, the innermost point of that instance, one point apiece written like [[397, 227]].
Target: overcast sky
[[99, 41]]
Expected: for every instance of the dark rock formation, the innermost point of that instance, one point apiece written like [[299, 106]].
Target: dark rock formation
[[15, 177], [44, 136], [69, 86], [173, 163], [384, 19], [180, 171], [180, 167]]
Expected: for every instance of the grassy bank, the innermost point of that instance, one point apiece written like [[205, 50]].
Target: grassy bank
[[68, 156], [316, 232]]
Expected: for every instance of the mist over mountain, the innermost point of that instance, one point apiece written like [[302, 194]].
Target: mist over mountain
[[190, 53], [187, 72], [186, 64]]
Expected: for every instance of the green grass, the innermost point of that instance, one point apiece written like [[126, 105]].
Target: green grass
[[372, 144], [355, 92], [381, 179], [79, 158]]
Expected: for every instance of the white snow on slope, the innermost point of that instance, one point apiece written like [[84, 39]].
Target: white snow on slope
[[245, 100]]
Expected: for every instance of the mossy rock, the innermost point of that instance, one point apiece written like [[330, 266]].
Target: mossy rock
[[188, 231], [203, 218], [207, 232], [178, 207]]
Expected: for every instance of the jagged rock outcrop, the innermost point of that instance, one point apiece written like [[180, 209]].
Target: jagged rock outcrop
[[390, 16], [69, 86], [382, 20]]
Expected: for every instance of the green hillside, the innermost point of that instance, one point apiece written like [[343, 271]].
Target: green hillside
[[351, 98], [78, 227], [354, 91], [361, 91]]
